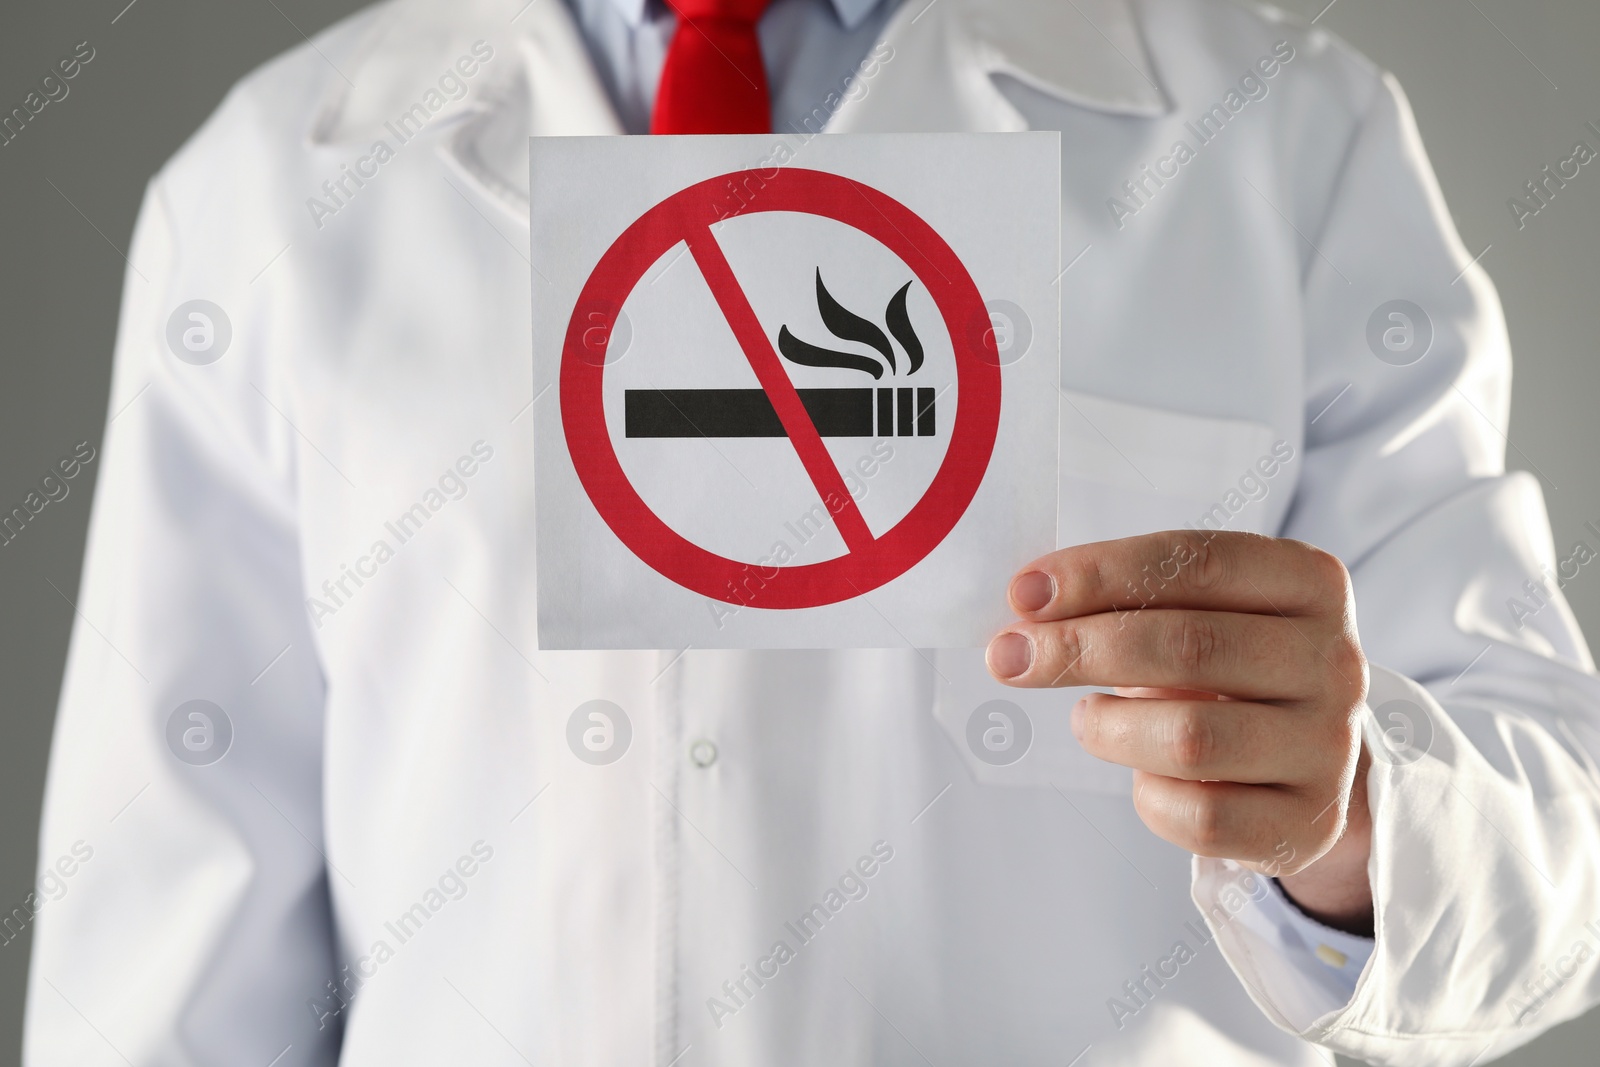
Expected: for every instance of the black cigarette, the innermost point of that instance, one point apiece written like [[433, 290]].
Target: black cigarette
[[749, 413]]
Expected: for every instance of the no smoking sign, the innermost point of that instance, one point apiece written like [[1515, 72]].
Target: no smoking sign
[[775, 405]]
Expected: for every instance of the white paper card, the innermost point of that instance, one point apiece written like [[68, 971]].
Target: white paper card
[[791, 398]]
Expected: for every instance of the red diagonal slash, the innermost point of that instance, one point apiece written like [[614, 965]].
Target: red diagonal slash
[[780, 390]]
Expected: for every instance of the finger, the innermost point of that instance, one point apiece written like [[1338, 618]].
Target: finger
[[1215, 570], [1250, 657], [1250, 823], [1211, 740]]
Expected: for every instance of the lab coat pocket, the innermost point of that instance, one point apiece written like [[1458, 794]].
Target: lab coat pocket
[[1125, 469], [1128, 469]]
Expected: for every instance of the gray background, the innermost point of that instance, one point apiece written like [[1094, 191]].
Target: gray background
[[1500, 87]]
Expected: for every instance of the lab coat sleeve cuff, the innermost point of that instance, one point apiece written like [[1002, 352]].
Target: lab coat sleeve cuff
[[1297, 970], [1269, 951], [1439, 884]]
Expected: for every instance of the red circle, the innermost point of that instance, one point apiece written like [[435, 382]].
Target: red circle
[[751, 584]]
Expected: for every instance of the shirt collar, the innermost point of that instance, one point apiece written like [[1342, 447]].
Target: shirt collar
[[1089, 52], [632, 11], [850, 12]]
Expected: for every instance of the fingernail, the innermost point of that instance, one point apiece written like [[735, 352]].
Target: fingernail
[[1078, 712], [1009, 655], [1033, 591]]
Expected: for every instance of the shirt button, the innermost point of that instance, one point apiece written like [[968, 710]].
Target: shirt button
[[703, 753], [1332, 956]]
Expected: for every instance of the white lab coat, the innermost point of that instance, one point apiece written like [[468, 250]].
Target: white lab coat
[[399, 773]]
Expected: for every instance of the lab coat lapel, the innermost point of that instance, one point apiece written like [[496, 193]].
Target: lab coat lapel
[[540, 82], [942, 59], [558, 94]]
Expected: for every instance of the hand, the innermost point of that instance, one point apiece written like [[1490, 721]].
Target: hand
[[1239, 682]]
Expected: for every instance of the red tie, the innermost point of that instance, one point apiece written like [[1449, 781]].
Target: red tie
[[713, 80]]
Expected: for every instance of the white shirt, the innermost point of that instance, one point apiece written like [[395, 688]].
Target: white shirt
[[399, 811]]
